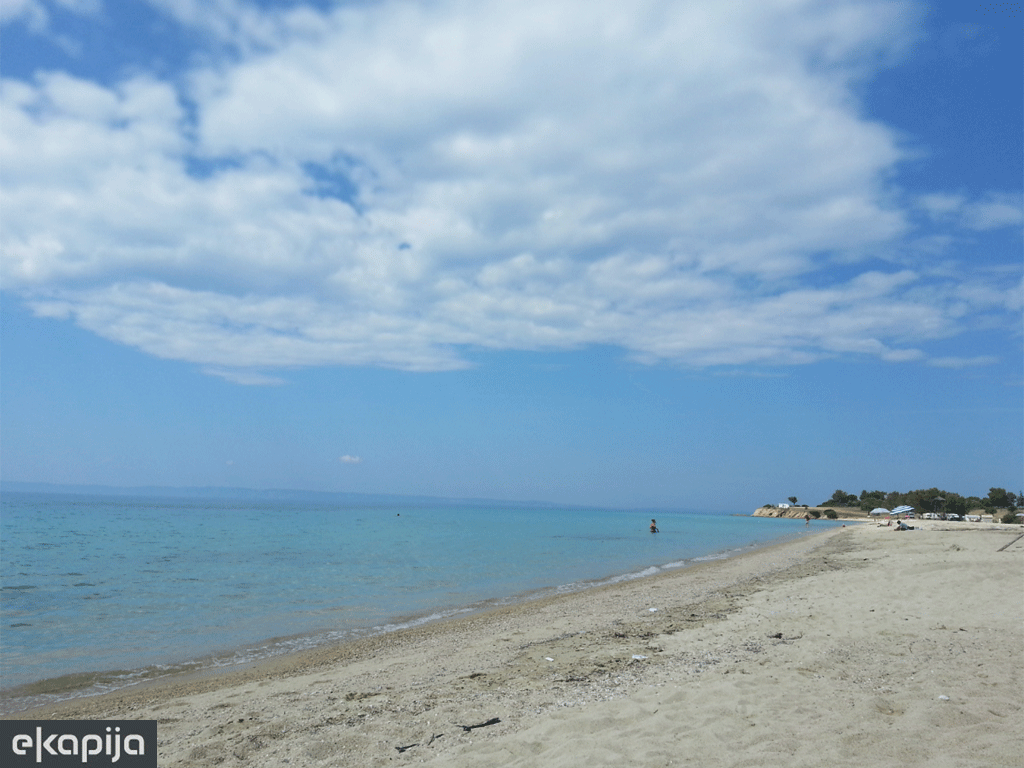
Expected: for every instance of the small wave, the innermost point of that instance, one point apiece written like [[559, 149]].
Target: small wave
[[579, 586], [436, 616], [57, 689], [708, 558], [630, 576]]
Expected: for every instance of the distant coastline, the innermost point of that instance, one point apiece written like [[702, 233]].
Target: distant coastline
[[268, 494], [340, 498]]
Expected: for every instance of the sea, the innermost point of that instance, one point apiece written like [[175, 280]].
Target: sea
[[102, 592]]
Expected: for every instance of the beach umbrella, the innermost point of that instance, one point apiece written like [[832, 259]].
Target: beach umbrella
[[901, 510], [879, 511]]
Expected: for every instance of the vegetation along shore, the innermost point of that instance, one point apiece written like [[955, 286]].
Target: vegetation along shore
[[999, 505]]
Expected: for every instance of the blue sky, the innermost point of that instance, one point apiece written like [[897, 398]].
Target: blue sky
[[667, 254]]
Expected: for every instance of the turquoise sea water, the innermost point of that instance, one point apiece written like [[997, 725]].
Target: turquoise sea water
[[99, 592]]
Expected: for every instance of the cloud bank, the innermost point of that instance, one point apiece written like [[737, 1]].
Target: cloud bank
[[398, 184]]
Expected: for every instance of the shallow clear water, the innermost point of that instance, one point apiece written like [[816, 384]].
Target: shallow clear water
[[140, 587]]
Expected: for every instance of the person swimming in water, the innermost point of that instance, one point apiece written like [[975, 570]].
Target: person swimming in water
[[654, 526]]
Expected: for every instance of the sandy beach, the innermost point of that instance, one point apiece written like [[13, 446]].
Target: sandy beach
[[859, 646]]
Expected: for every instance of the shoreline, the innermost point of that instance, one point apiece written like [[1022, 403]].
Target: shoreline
[[298, 662], [69, 688], [741, 661]]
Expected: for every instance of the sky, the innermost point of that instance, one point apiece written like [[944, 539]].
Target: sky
[[667, 254]]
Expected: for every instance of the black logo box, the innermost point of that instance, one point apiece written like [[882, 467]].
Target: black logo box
[[58, 743]]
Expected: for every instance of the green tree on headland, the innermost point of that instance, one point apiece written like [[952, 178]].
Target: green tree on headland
[[840, 499], [871, 499]]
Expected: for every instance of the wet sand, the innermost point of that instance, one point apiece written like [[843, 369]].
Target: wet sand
[[858, 646]]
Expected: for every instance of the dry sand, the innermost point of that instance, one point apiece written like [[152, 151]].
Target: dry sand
[[861, 646]]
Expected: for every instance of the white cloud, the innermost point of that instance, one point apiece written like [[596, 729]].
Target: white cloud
[[245, 377], [391, 183], [963, 362], [994, 211], [242, 25], [346, 459], [34, 14], [940, 205], [31, 12]]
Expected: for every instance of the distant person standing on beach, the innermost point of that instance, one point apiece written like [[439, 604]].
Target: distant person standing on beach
[[654, 526], [807, 518]]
